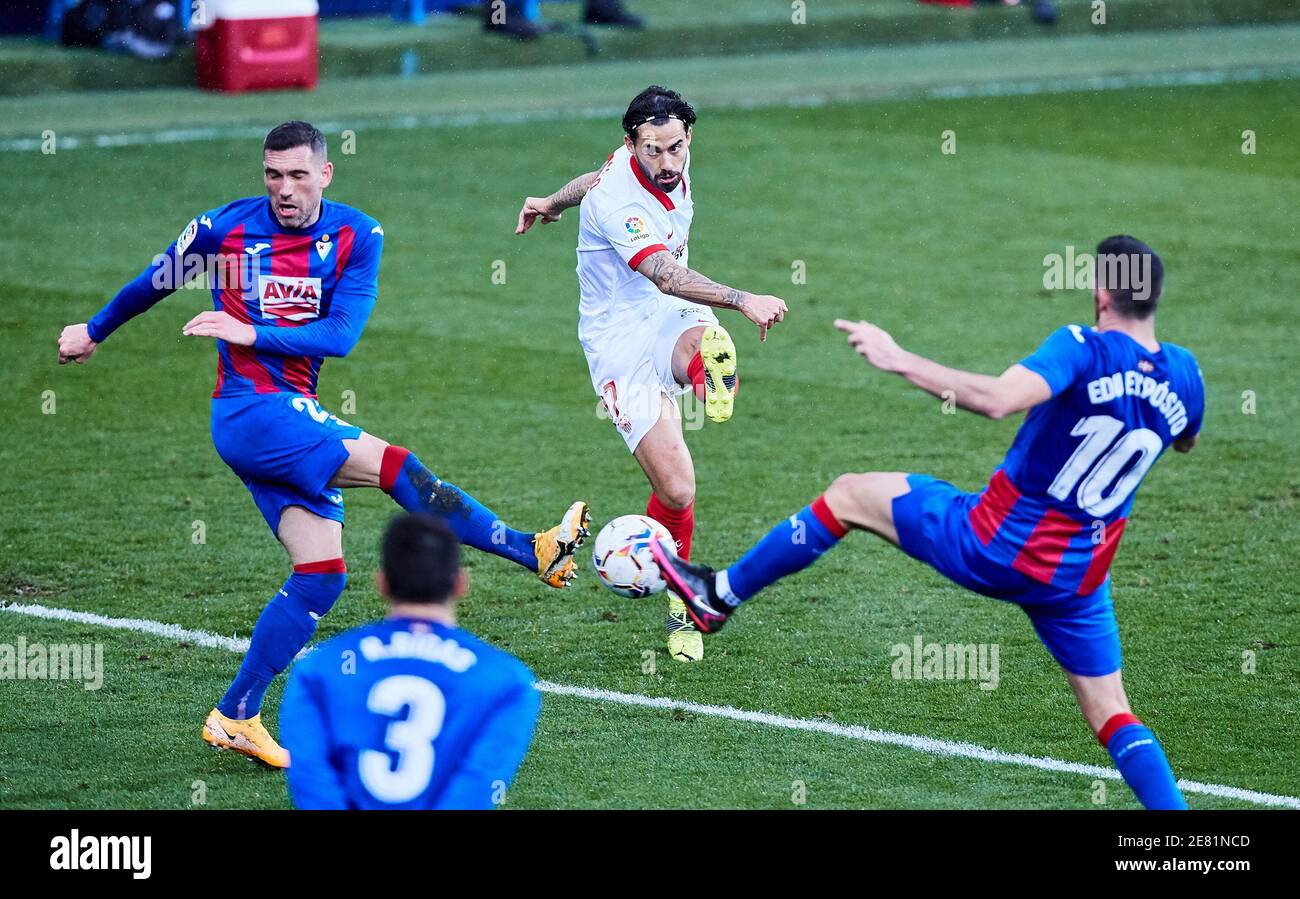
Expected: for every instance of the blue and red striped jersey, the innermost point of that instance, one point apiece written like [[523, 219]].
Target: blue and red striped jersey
[[307, 292], [1056, 507]]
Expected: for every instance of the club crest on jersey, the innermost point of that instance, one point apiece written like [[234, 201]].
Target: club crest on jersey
[[323, 246], [288, 297]]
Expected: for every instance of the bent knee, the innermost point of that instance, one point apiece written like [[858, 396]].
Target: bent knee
[[688, 344], [864, 499], [677, 494], [853, 491], [677, 498], [848, 485]]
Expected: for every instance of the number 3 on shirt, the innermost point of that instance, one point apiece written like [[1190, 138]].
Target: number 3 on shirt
[[411, 739], [1093, 476]]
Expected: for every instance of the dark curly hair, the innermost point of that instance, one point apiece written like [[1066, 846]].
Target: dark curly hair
[[657, 104]]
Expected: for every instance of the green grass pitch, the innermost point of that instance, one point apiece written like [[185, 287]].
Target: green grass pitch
[[486, 382]]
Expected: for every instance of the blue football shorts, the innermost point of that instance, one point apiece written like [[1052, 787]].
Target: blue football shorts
[[933, 525], [285, 448]]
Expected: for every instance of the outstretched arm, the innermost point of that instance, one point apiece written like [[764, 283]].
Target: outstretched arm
[[548, 209], [78, 342], [168, 271], [675, 279], [1015, 390]]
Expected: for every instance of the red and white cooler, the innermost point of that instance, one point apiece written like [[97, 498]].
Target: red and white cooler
[[252, 45]]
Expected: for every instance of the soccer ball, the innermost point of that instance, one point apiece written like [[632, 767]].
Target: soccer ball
[[622, 555]]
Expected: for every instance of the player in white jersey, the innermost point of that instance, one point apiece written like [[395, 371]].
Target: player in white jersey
[[645, 318]]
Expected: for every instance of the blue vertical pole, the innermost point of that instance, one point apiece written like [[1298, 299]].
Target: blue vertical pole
[[54, 21], [412, 11]]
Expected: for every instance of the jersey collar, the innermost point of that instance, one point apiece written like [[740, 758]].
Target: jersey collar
[[650, 186]]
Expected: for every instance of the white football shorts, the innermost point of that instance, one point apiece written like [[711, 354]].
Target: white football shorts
[[631, 364]]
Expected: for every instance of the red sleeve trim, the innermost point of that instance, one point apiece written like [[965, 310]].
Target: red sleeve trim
[[392, 462], [324, 566], [645, 252], [1114, 723]]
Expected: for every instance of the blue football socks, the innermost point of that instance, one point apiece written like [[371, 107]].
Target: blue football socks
[[416, 489], [282, 630], [791, 546]]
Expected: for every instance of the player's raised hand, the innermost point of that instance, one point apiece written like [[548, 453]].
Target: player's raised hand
[[764, 311], [221, 325], [75, 344], [872, 343], [535, 208]]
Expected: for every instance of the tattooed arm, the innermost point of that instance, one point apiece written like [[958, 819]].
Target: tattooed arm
[[548, 209], [570, 194], [675, 279]]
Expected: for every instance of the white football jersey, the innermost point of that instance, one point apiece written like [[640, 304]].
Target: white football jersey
[[625, 217]]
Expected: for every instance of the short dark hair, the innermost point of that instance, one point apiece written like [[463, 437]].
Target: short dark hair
[[421, 559], [657, 104], [1132, 294], [295, 134]]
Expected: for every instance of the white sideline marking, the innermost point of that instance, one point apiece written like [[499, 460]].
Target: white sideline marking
[[139, 625], [954, 91], [928, 745]]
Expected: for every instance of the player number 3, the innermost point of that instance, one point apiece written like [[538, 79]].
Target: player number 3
[[1098, 432], [411, 739]]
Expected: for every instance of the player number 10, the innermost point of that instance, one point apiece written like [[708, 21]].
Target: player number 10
[[1093, 476]]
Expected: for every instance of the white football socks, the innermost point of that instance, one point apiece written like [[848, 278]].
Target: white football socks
[[722, 586]]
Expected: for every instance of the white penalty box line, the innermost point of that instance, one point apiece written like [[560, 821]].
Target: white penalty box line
[[928, 745], [956, 90]]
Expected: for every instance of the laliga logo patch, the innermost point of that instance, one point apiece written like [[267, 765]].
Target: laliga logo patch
[[634, 226], [323, 246], [187, 237], [290, 298]]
